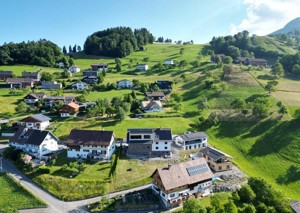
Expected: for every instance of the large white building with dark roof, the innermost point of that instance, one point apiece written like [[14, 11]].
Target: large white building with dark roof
[[91, 144], [35, 142], [178, 182], [149, 141]]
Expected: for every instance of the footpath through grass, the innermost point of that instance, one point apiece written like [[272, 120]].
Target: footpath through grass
[[13, 196]]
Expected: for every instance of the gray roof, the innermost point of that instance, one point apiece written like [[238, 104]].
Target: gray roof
[[296, 206], [162, 133], [193, 136], [41, 117], [213, 153], [30, 136]]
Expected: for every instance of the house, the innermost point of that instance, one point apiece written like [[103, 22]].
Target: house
[[90, 73], [90, 144], [251, 61], [124, 84], [217, 160], [79, 85], [5, 74], [164, 85], [151, 106], [61, 65], [179, 182], [51, 100], [157, 96], [69, 109], [191, 140], [34, 75], [295, 206], [90, 79], [98, 67], [142, 67], [149, 141], [169, 62], [257, 62], [51, 85], [35, 142], [17, 83], [74, 69], [34, 97], [37, 121]]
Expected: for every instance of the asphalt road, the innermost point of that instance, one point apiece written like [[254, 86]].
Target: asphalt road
[[54, 204]]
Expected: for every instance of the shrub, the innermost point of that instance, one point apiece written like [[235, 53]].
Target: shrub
[[43, 170]]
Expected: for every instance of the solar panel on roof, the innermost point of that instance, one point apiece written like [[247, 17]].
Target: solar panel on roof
[[194, 170]]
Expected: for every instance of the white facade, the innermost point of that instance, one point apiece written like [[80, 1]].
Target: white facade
[[92, 151], [124, 84], [188, 145], [142, 67], [80, 85], [47, 146], [35, 125], [65, 115], [31, 101], [169, 62], [168, 199], [74, 69]]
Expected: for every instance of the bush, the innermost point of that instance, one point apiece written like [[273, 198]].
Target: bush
[[43, 170]]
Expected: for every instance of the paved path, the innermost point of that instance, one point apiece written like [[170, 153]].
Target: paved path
[[54, 204]]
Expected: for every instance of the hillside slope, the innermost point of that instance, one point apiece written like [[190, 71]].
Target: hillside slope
[[294, 24]]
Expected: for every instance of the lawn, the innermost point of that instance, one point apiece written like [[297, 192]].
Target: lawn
[[8, 102], [13, 196], [267, 149], [18, 69]]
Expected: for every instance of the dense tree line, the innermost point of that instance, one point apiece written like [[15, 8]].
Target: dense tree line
[[291, 63], [240, 44], [42, 53], [117, 42], [258, 196]]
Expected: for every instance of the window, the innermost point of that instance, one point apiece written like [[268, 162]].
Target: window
[[148, 147], [85, 150], [220, 167], [166, 147], [135, 137], [156, 147], [163, 194], [156, 142], [228, 167], [166, 142], [172, 195], [147, 136]]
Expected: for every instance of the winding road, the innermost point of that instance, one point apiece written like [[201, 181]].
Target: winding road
[[54, 204]]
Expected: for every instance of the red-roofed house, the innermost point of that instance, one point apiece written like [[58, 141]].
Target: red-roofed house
[[69, 109]]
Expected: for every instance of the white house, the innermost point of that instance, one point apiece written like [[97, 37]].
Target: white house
[[124, 84], [80, 85], [142, 67], [74, 69], [34, 142], [149, 141], [37, 121], [169, 62], [90, 144], [178, 182], [151, 106], [34, 97], [191, 140]]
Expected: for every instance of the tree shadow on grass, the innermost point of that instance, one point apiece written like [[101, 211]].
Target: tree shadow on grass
[[255, 96], [233, 129], [266, 77], [291, 175], [276, 138]]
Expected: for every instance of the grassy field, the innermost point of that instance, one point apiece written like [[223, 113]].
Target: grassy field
[[13, 196], [8, 102], [18, 69]]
